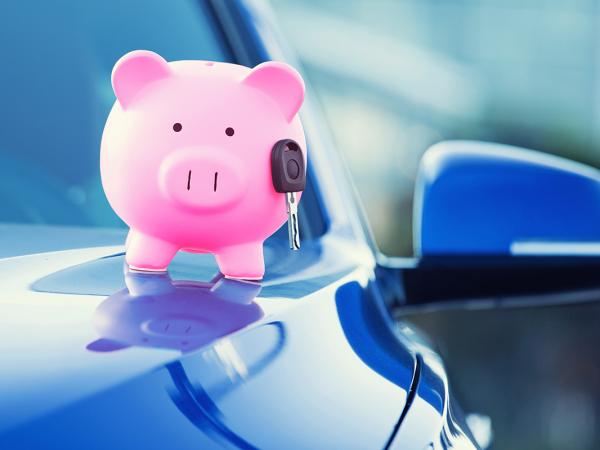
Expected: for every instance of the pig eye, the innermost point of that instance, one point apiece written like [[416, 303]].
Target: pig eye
[[177, 127], [229, 131]]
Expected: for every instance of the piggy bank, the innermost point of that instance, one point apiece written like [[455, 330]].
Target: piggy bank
[[185, 158]]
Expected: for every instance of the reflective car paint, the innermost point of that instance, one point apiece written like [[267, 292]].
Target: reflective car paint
[[155, 311], [464, 204], [293, 367]]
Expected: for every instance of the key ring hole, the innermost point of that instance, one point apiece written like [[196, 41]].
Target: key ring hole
[[292, 146]]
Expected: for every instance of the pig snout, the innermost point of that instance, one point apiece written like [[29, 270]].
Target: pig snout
[[202, 179]]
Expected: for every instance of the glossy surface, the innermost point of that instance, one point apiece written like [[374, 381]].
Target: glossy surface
[[483, 198], [294, 367], [431, 404], [155, 311]]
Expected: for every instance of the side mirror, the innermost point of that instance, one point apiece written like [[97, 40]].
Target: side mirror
[[477, 198]]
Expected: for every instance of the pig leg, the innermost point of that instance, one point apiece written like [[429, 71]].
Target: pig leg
[[148, 253], [243, 261]]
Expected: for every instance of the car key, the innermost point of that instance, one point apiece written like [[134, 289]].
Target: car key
[[289, 177]]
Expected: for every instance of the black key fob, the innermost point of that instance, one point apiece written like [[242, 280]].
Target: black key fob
[[287, 166]]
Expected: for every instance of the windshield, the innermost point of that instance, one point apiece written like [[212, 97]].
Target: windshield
[[55, 94], [395, 77]]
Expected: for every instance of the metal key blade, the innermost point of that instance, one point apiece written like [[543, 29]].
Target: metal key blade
[[293, 227]]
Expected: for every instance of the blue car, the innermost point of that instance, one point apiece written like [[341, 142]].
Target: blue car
[[327, 350]]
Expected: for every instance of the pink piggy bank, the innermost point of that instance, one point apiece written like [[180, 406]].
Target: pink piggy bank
[[186, 158]]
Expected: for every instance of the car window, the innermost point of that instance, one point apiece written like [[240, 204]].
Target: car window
[[55, 95], [396, 77]]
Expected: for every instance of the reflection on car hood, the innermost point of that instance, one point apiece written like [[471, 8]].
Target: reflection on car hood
[[89, 348]]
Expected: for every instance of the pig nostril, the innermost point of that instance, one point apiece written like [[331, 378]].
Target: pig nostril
[[189, 180], [215, 185]]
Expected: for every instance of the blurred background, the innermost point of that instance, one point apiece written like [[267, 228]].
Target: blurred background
[[395, 77], [55, 95]]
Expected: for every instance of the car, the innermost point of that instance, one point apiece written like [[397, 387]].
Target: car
[[324, 352]]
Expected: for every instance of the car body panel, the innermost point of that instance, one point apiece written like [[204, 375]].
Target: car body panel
[[27, 239], [464, 204], [293, 367]]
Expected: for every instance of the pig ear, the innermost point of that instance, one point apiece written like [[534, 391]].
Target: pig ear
[[135, 71], [280, 82]]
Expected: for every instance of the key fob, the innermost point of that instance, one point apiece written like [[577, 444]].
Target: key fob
[[287, 166]]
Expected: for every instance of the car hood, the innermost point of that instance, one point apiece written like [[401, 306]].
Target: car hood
[[26, 239], [88, 346]]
